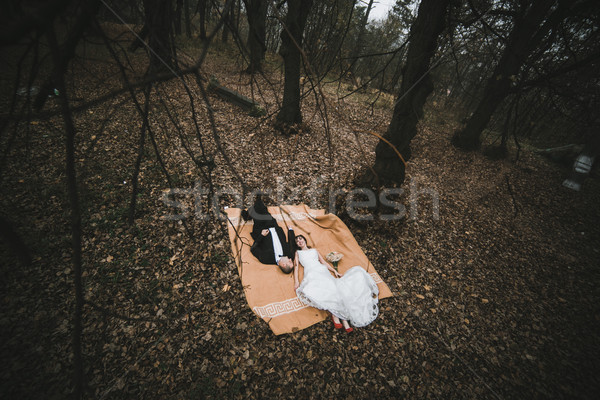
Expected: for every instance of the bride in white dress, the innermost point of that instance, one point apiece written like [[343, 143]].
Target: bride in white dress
[[353, 297]]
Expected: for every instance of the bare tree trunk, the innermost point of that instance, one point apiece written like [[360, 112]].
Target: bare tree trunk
[[526, 35], [228, 22], [186, 16], [360, 38], [67, 50], [415, 88], [256, 11], [76, 231], [202, 7], [159, 20], [177, 20], [501, 151], [291, 39]]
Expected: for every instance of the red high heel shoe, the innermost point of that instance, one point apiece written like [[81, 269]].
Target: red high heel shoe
[[349, 329], [336, 325]]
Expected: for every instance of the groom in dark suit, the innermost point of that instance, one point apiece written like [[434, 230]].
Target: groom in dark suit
[[270, 245]]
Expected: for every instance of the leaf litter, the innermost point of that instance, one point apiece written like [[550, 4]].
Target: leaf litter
[[496, 298]]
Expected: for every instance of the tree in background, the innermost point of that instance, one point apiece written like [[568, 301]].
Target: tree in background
[[327, 35], [256, 12], [358, 45], [202, 10], [533, 25], [231, 20], [86, 12], [382, 46], [291, 44], [159, 23], [415, 88]]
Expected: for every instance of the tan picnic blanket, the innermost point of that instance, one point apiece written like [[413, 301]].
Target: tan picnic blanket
[[270, 293]]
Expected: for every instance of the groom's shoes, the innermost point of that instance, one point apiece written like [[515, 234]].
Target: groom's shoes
[[246, 215]]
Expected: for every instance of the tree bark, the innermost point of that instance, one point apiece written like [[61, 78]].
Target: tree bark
[[75, 215], [67, 50], [186, 16], [228, 22], [201, 8], [291, 39], [159, 20], [178, 12], [360, 38], [526, 35], [256, 11], [415, 88]]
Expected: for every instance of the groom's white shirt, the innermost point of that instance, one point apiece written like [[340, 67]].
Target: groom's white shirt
[[276, 245]]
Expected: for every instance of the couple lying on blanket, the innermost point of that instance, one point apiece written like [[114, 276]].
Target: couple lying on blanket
[[351, 299]]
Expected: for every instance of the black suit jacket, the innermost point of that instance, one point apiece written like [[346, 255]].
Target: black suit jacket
[[263, 245]]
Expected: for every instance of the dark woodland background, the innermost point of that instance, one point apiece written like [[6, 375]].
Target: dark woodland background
[[118, 114]]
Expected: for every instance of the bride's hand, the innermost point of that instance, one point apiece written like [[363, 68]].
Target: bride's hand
[[337, 274]]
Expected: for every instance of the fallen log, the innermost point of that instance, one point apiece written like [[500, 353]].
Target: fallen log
[[254, 109], [563, 154], [562, 149]]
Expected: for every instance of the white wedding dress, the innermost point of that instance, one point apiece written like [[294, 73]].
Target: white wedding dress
[[352, 297]]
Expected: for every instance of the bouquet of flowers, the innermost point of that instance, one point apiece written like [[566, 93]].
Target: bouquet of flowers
[[334, 257]]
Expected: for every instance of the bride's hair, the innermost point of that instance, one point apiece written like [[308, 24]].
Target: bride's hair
[[305, 241], [296, 248]]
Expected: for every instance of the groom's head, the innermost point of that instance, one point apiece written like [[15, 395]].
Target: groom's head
[[285, 264]]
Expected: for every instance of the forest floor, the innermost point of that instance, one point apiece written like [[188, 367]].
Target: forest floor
[[494, 297]]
